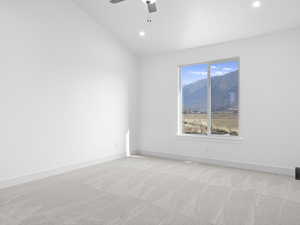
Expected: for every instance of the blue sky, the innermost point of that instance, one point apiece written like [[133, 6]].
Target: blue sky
[[192, 73]]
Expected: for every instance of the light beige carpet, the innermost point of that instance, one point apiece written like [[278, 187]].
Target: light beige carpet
[[150, 191]]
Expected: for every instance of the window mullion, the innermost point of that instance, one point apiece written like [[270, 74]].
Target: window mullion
[[209, 100]]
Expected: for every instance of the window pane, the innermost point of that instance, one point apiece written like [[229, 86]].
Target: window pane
[[194, 99], [225, 98]]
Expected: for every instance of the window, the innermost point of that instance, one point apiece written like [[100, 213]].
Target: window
[[209, 98]]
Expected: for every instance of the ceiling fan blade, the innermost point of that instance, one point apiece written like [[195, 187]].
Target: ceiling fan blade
[[152, 7], [116, 1]]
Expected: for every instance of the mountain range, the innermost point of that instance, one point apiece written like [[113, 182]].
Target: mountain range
[[224, 96]]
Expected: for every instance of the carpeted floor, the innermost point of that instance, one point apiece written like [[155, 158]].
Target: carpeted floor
[[150, 191]]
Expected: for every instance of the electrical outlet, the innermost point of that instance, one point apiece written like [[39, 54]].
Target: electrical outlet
[[206, 149]]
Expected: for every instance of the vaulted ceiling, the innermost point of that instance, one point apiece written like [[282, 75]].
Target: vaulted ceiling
[[181, 24]]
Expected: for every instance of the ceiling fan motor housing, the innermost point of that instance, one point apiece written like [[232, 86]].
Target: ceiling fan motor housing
[[149, 1], [151, 5]]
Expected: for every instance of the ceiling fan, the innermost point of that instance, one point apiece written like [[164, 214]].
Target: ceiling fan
[[150, 3]]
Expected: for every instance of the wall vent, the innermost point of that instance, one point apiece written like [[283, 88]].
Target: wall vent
[[297, 173]]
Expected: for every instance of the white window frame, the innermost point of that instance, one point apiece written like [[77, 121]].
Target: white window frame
[[179, 107]]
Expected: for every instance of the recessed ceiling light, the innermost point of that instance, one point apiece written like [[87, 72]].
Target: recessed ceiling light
[[142, 33], [256, 4]]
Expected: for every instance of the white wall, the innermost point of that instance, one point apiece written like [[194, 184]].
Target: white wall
[[270, 106], [64, 88]]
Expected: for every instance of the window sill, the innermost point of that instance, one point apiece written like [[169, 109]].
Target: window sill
[[213, 138]]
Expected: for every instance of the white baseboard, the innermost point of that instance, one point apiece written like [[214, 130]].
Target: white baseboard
[[134, 152], [238, 165], [57, 171]]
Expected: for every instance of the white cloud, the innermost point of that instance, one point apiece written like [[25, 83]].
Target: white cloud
[[227, 69], [201, 73], [213, 67], [219, 73]]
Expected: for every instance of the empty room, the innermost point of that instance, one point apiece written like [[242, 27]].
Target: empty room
[[149, 112]]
